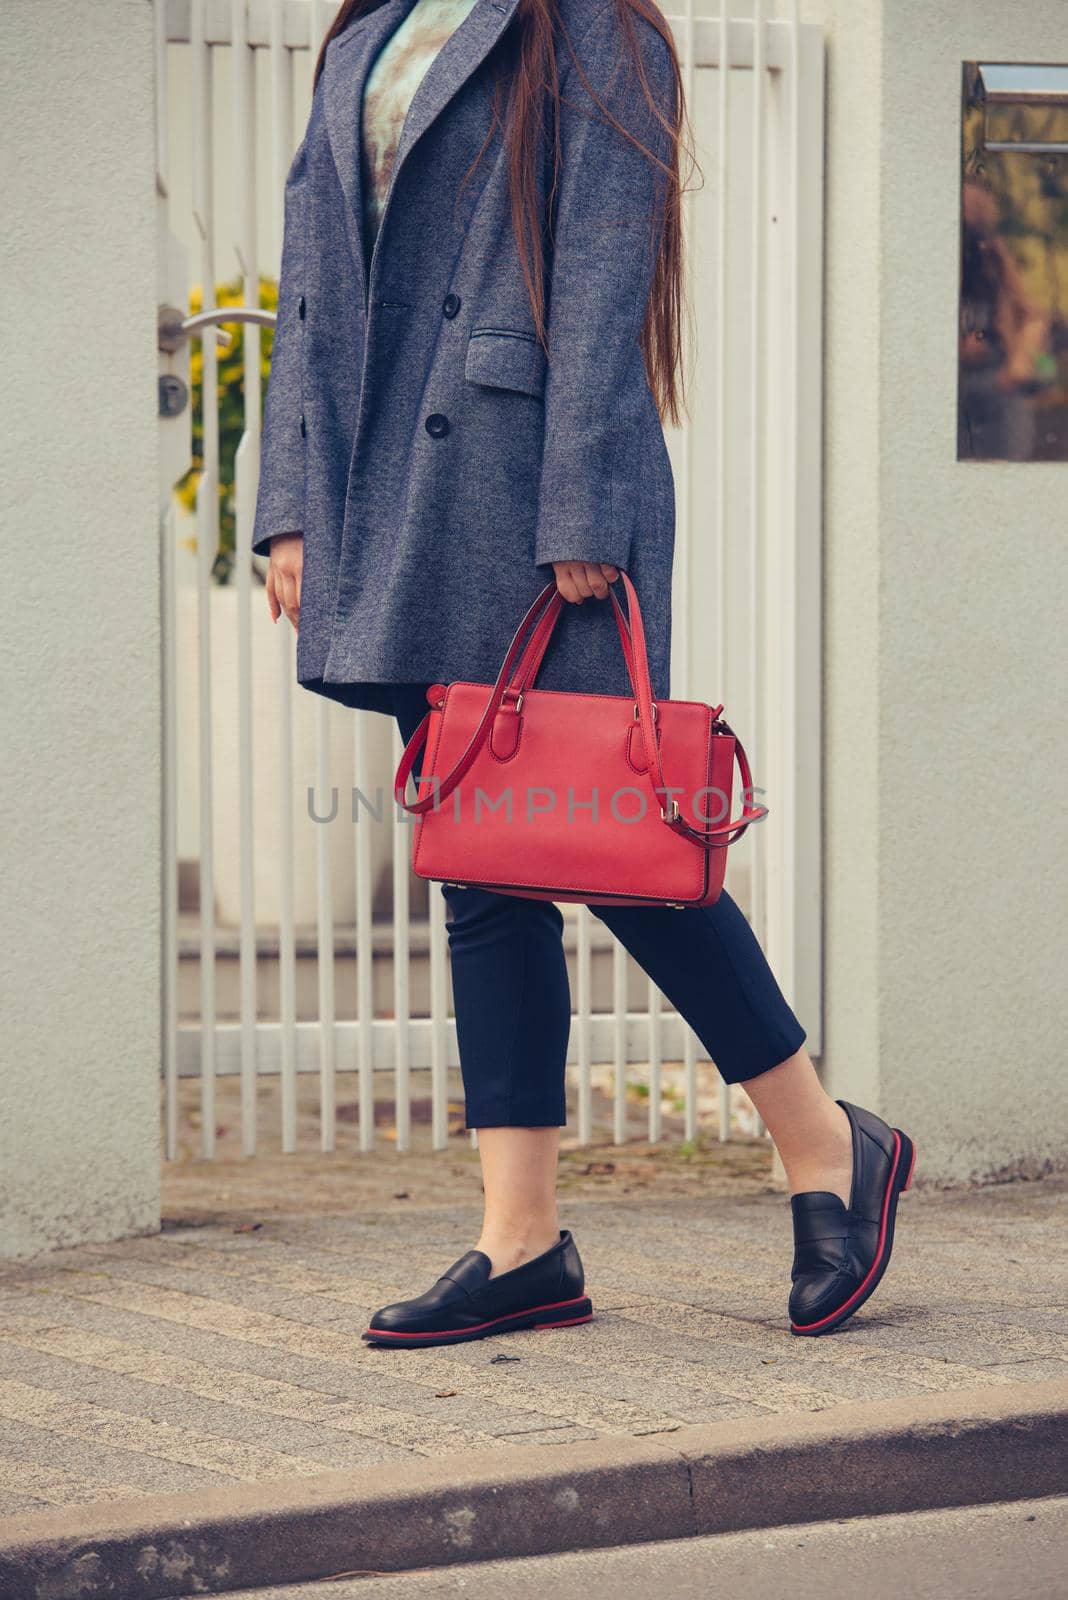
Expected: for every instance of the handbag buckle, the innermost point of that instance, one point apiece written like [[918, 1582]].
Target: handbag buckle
[[671, 815], [637, 711], [518, 699]]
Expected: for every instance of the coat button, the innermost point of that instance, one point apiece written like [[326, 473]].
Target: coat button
[[451, 305], [301, 308], [436, 425]]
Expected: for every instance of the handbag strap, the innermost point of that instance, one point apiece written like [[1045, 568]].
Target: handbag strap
[[720, 834], [530, 663], [517, 673], [440, 790]]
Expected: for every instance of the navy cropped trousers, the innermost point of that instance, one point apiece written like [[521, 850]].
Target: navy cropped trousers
[[513, 1000]]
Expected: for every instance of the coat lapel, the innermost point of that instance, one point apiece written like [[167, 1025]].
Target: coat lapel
[[349, 60], [461, 55]]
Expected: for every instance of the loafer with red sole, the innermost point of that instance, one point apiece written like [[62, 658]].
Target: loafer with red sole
[[466, 1303], [841, 1252]]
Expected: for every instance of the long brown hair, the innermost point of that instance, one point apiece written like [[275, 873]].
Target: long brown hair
[[518, 108]]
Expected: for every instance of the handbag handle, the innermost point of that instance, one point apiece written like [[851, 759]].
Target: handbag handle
[[531, 660], [536, 630], [721, 834], [485, 725]]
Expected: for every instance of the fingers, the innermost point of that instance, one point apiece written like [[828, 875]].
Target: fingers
[[597, 581], [584, 580], [288, 591], [565, 582], [280, 595], [284, 578], [580, 577]]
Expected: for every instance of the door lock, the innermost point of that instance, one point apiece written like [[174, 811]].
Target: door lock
[[173, 395]]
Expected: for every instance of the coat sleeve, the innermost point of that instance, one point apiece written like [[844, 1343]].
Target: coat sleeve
[[607, 218], [280, 494]]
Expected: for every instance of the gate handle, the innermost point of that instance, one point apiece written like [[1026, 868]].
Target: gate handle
[[175, 327]]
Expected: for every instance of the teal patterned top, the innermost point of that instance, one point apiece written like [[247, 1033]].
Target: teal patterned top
[[395, 75]]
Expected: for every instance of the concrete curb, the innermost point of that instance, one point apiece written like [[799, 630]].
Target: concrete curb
[[962, 1448]]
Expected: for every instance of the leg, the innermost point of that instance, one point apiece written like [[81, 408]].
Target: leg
[[709, 963], [846, 1167], [513, 1016], [520, 1219], [810, 1130]]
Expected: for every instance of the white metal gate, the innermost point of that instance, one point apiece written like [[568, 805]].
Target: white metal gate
[[244, 747]]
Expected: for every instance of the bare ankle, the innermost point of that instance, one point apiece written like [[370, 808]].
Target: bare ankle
[[826, 1165], [511, 1247]]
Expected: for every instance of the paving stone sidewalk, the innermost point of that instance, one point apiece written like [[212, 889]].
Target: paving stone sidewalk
[[213, 1353]]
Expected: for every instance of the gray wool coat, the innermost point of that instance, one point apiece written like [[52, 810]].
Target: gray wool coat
[[434, 457]]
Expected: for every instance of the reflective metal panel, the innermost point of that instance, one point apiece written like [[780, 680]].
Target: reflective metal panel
[[1012, 392]]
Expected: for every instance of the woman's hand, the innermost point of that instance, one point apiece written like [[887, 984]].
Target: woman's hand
[[284, 575], [579, 580]]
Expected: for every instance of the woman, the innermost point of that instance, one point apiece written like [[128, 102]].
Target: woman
[[477, 341]]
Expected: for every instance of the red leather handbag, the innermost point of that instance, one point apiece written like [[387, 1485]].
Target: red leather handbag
[[560, 796]]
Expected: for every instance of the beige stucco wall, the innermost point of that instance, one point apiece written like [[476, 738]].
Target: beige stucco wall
[[946, 936], [79, 818]]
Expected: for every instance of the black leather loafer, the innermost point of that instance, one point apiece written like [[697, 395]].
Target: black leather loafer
[[466, 1303], [841, 1252]]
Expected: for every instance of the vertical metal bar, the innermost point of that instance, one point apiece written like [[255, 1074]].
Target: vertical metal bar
[[322, 14], [686, 497], [722, 452], [169, 831], [365, 1002], [286, 934], [781, 594], [282, 149], [246, 474], [207, 511], [804, 867], [169, 687], [324, 860], [619, 1000], [792, 582], [684, 542], [325, 943], [281, 115], [159, 18], [656, 1060], [757, 461], [721, 348], [779, 598], [401, 952], [690, 1085], [439, 1022], [724, 1112], [583, 1019], [439, 1019], [758, 906], [786, 622]]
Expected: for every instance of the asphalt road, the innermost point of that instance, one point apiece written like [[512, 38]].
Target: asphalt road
[[998, 1552]]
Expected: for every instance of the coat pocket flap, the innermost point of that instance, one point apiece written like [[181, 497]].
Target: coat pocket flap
[[505, 361]]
